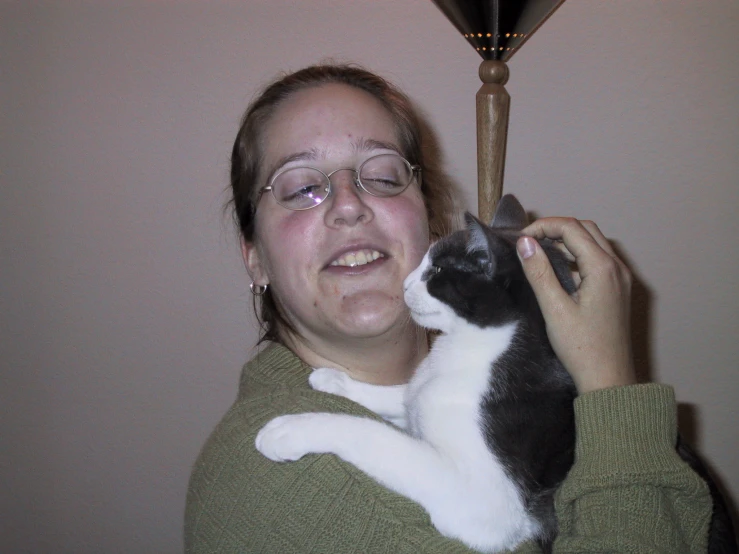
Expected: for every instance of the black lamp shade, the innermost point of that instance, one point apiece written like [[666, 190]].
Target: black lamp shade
[[496, 29]]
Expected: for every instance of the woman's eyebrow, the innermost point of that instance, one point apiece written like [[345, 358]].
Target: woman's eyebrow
[[363, 145], [305, 155]]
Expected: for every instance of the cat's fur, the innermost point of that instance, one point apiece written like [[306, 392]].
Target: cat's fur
[[489, 412]]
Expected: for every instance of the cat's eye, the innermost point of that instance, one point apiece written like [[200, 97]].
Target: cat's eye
[[435, 269]]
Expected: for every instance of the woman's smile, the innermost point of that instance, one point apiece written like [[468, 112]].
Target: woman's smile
[[357, 258]]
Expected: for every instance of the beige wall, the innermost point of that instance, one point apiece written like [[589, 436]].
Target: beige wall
[[125, 308]]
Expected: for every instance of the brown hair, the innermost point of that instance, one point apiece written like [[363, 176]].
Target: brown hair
[[247, 156]]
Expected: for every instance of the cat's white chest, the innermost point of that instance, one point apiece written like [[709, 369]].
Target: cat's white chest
[[444, 396]]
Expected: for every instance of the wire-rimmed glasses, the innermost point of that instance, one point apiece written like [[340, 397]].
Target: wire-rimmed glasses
[[302, 188]]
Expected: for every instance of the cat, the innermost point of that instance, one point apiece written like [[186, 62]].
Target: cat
[[488, 415], [489, 411]]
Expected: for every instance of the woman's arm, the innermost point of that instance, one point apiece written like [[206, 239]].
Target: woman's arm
[[239, 501], [628, 490]]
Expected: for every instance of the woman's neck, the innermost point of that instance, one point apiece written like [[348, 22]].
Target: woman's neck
[[387, 360]]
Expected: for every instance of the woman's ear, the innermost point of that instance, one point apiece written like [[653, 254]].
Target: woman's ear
[[253, 262]]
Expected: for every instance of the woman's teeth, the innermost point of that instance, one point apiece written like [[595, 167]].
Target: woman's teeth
[[357, 258]]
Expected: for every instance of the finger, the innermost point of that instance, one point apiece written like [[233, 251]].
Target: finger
[[599, 237], [551, 296], [576, 279], [557, 228], [563, 249], [589, 255]]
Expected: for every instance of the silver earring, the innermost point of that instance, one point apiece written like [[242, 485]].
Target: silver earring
[[257, 290]]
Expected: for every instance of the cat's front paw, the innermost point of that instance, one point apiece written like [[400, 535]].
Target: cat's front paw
[[287, 438], [332, 381]]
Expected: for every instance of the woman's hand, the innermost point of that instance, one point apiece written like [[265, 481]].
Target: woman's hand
[[589, 330]]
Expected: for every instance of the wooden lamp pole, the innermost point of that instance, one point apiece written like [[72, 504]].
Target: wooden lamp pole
[[493, 103], [496, 29]]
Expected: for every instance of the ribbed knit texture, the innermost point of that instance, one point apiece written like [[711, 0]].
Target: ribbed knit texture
[[627, 492]]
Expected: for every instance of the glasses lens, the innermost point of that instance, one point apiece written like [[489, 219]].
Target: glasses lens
[[385, 175], [300, 188]]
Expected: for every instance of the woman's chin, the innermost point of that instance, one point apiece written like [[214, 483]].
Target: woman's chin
[[372, 314]]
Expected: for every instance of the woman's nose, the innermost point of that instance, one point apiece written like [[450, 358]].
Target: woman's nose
[[347, 205]]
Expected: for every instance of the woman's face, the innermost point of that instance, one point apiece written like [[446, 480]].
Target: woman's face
[[305, 256]]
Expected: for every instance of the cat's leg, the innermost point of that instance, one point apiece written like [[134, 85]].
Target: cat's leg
[[400, 462], [464, 504], [387, 402]]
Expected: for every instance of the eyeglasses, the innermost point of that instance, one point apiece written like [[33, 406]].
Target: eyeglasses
[[302, 188]]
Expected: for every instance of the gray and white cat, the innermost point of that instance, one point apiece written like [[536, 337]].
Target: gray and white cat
[[488, 413], [484, 431]]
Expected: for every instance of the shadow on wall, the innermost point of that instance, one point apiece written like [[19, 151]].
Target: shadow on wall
[[688, 421]]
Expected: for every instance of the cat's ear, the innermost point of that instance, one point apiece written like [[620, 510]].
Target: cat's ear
[[477, 239], [509, 214], [478, 242]]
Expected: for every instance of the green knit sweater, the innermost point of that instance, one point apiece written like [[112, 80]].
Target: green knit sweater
[[627, 492]]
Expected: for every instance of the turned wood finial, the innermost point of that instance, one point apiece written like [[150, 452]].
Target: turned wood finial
[[492, 130], [494, 72]]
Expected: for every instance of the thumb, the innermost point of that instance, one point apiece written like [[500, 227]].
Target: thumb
[[540, 274]]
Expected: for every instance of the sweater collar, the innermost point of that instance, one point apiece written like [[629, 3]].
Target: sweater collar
[[276, 364]]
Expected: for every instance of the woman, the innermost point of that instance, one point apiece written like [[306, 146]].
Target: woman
[[327, 263]]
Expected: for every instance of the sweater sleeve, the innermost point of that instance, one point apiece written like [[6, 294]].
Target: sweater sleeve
[[239, 501], [628, 490]]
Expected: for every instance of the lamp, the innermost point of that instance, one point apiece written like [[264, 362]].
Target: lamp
[[496, 29]]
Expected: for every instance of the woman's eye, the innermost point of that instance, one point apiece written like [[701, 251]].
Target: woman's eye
[[378, 183], [299, 184], [306, 190]]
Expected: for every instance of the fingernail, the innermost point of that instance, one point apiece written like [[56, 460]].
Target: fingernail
[[526, 247]]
